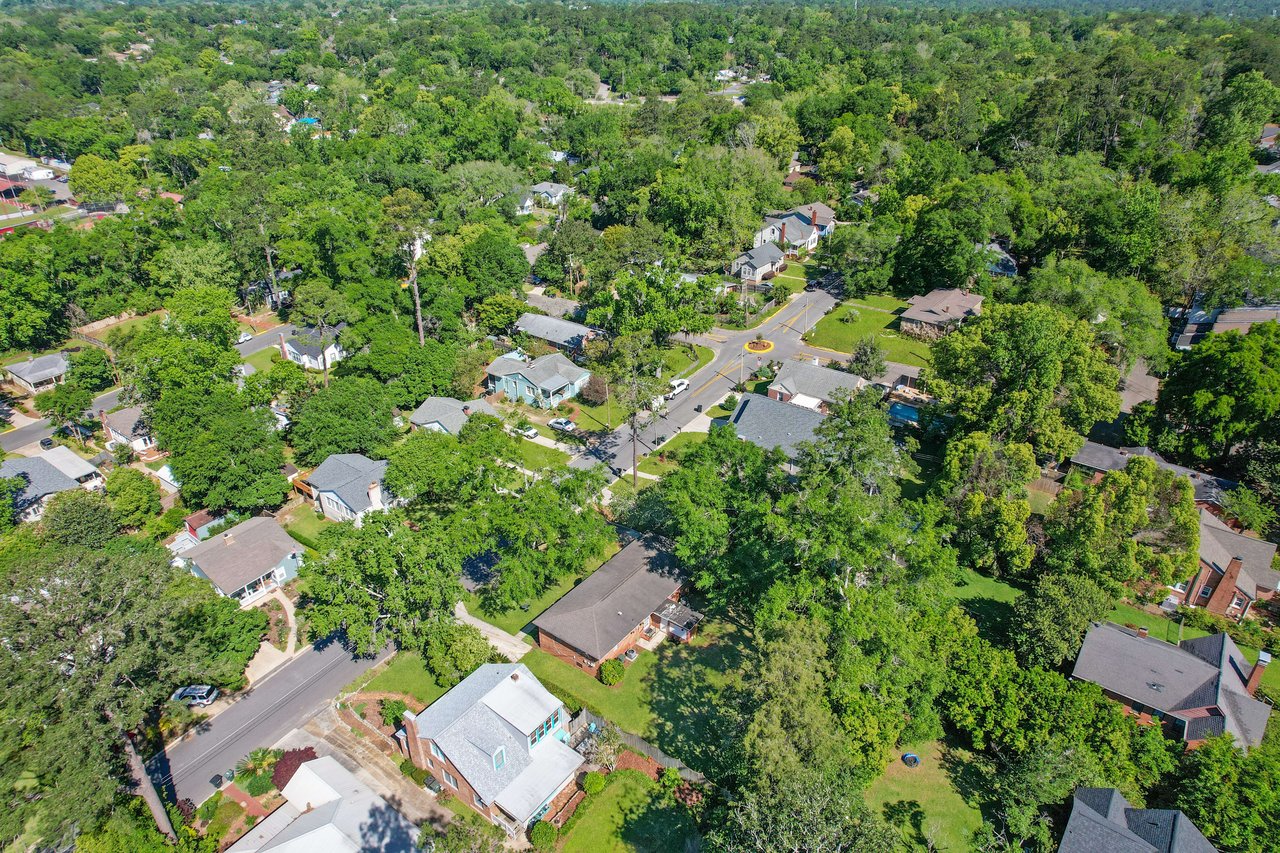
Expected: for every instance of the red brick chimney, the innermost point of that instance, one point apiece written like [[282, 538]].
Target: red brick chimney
[[1255, 674], [1225, 592], [782, 235], [813, 216], [412, 742], [102, 416], [466, 411]]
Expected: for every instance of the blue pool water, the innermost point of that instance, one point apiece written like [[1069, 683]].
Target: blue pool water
[[903, 412]]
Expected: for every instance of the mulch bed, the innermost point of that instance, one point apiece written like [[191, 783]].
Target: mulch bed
[[629, 760]]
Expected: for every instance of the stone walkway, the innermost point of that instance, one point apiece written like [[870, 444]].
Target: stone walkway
[[251, 806], [268, 657], [511, 646]]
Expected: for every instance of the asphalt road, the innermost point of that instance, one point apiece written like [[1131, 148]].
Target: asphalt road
[[281, 702], [33, 432], [731, 365], [265, 340]]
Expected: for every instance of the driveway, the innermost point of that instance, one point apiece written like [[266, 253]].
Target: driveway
[[278, 704]]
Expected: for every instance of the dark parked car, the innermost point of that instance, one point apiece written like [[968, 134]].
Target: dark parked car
[[197, 695], [46, 444]]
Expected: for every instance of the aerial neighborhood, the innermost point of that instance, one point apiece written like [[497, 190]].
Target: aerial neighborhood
[[639, 427]]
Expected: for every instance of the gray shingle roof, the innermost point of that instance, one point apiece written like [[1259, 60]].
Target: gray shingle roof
[[549, 188], [41, 368], [129, 422], [41, 478], [1102, 821], [811, 380], [943, 306], [598, 613], [447, 412], [1207, 672], [549, 372], [348, 475], [309, 341], [1100, 457], [770, 423], [766, 254], [564, 333], [244, 553], [1219, 544]]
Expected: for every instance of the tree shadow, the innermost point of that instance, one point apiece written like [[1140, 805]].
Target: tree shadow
[[907, 816], [659, 824], [973, 776], [993, 618], [386, 829]]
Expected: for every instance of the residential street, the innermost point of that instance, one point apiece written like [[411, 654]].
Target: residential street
[[277, 705], [709, 385], [265, 340], [33, 432]]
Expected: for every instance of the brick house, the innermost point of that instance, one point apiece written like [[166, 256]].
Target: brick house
[[499, 741], [802, 383], [1235, 570], [634, 595], [1195, 690], [938, 312], [1094, 460]]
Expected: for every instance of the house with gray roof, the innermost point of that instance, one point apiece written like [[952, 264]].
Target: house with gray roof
[[773, 424], [129, 427], [445, 414], [797, 229], [1102, 821], [934, 314], [547, 193], [313, 348], [326, 808], [1235, 570], [545, 382], [634, 594], [41, 481], [1096, 459], [348, 486], [565, 335], [40, 373], [755, 265], [247, 561], [1195, 690], [499, 741], [803, 383]]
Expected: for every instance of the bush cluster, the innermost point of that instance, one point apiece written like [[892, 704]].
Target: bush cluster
[[611, 672]]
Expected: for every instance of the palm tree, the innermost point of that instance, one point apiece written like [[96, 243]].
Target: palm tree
[[258, 762]]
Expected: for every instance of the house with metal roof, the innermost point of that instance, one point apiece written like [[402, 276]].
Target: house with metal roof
[[445, 414], [1195, 690], [499, 742], [545, 382], [1096, 459], [1102, 821], [773, 424], [326, 808], [247, 561], [562, 334], [40, 373], [934, 314], [313, 349], [1235, 570], [633, 595], [803, 383], [41, 481], [757, 264], [348, 486], [84, 472]]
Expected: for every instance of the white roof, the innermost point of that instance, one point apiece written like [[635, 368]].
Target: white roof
[[524, 703], [554, 763], [68, 463]]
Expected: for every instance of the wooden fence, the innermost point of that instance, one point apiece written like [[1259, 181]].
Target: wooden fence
[[585, 718]]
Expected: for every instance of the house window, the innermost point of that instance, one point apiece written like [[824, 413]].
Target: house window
[[1205, 591], [436, 751], [1237, 601], [499, 758], [449, 780]]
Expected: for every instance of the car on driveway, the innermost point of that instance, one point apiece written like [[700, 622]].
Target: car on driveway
[[677, 385], [197, 695], [562, 424], [528, 431], [244, 338]]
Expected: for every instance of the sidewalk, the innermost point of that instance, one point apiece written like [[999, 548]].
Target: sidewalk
[[268, 657], [511, 646]]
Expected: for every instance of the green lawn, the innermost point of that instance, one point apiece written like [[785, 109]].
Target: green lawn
[[514, 621], [631, 815], [924, 803], [678, 365], [261, 360], [626, 704], [535, 457], [989, 602], [305, 524], [606, 417], [651, 464], [872, 318], [406, 673], [1040, 501], [123, 326]]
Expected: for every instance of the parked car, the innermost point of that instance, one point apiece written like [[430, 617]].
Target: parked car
[[46, 444], [527, 431], [62, 179], [196, 695], [677, 385], [562, 424], [244, 338]]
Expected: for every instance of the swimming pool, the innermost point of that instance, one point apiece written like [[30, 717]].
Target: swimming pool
[[904, 413]]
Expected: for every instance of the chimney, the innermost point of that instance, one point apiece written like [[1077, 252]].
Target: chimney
[[283, 354], [466, 411], [102, 416], [1143, 631], [375, 495], [1255, 674], [228, 539], [813, 216], [782, 235], [413, 743]]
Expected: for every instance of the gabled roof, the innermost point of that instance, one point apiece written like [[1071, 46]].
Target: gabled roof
[[309, 340], [1204, 673], [1220, 544], [1102, 821], [598, 613], [771, 423], [1100, 457], [41, 368], [129, 422], [69, 463], [243, 553], [448, 413], [563, 333], [348, 475], [549, 188], [943, 306], [549, 372], [799, 228], [811, 380], [764, 255], [42, 479]]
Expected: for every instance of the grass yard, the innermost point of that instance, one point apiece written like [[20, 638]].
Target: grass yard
[[631, 815], [1040, 501], [680, 442], [875, 318], [535, 457], [261, 360], [924, 803], [626, 704], [677, 363], [305, 525], [407, 674], [623, 491], [989, 602], [124, 325], [603, 418]]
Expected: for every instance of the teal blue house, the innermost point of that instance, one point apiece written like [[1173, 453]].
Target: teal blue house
[[545, 382]]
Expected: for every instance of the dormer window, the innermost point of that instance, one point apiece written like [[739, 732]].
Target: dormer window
[[499, 758]]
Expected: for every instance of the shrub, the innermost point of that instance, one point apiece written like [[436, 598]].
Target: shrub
[[730, 402], [596, 391], [289, 764], [209, 807], [611, 672], [593, 783], [250, 820], [187, 808], [393, 711], [258, 785], [670, 779], [406, 767], [543, 836]]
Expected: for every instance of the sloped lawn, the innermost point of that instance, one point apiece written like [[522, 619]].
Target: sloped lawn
[[631, 815]]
